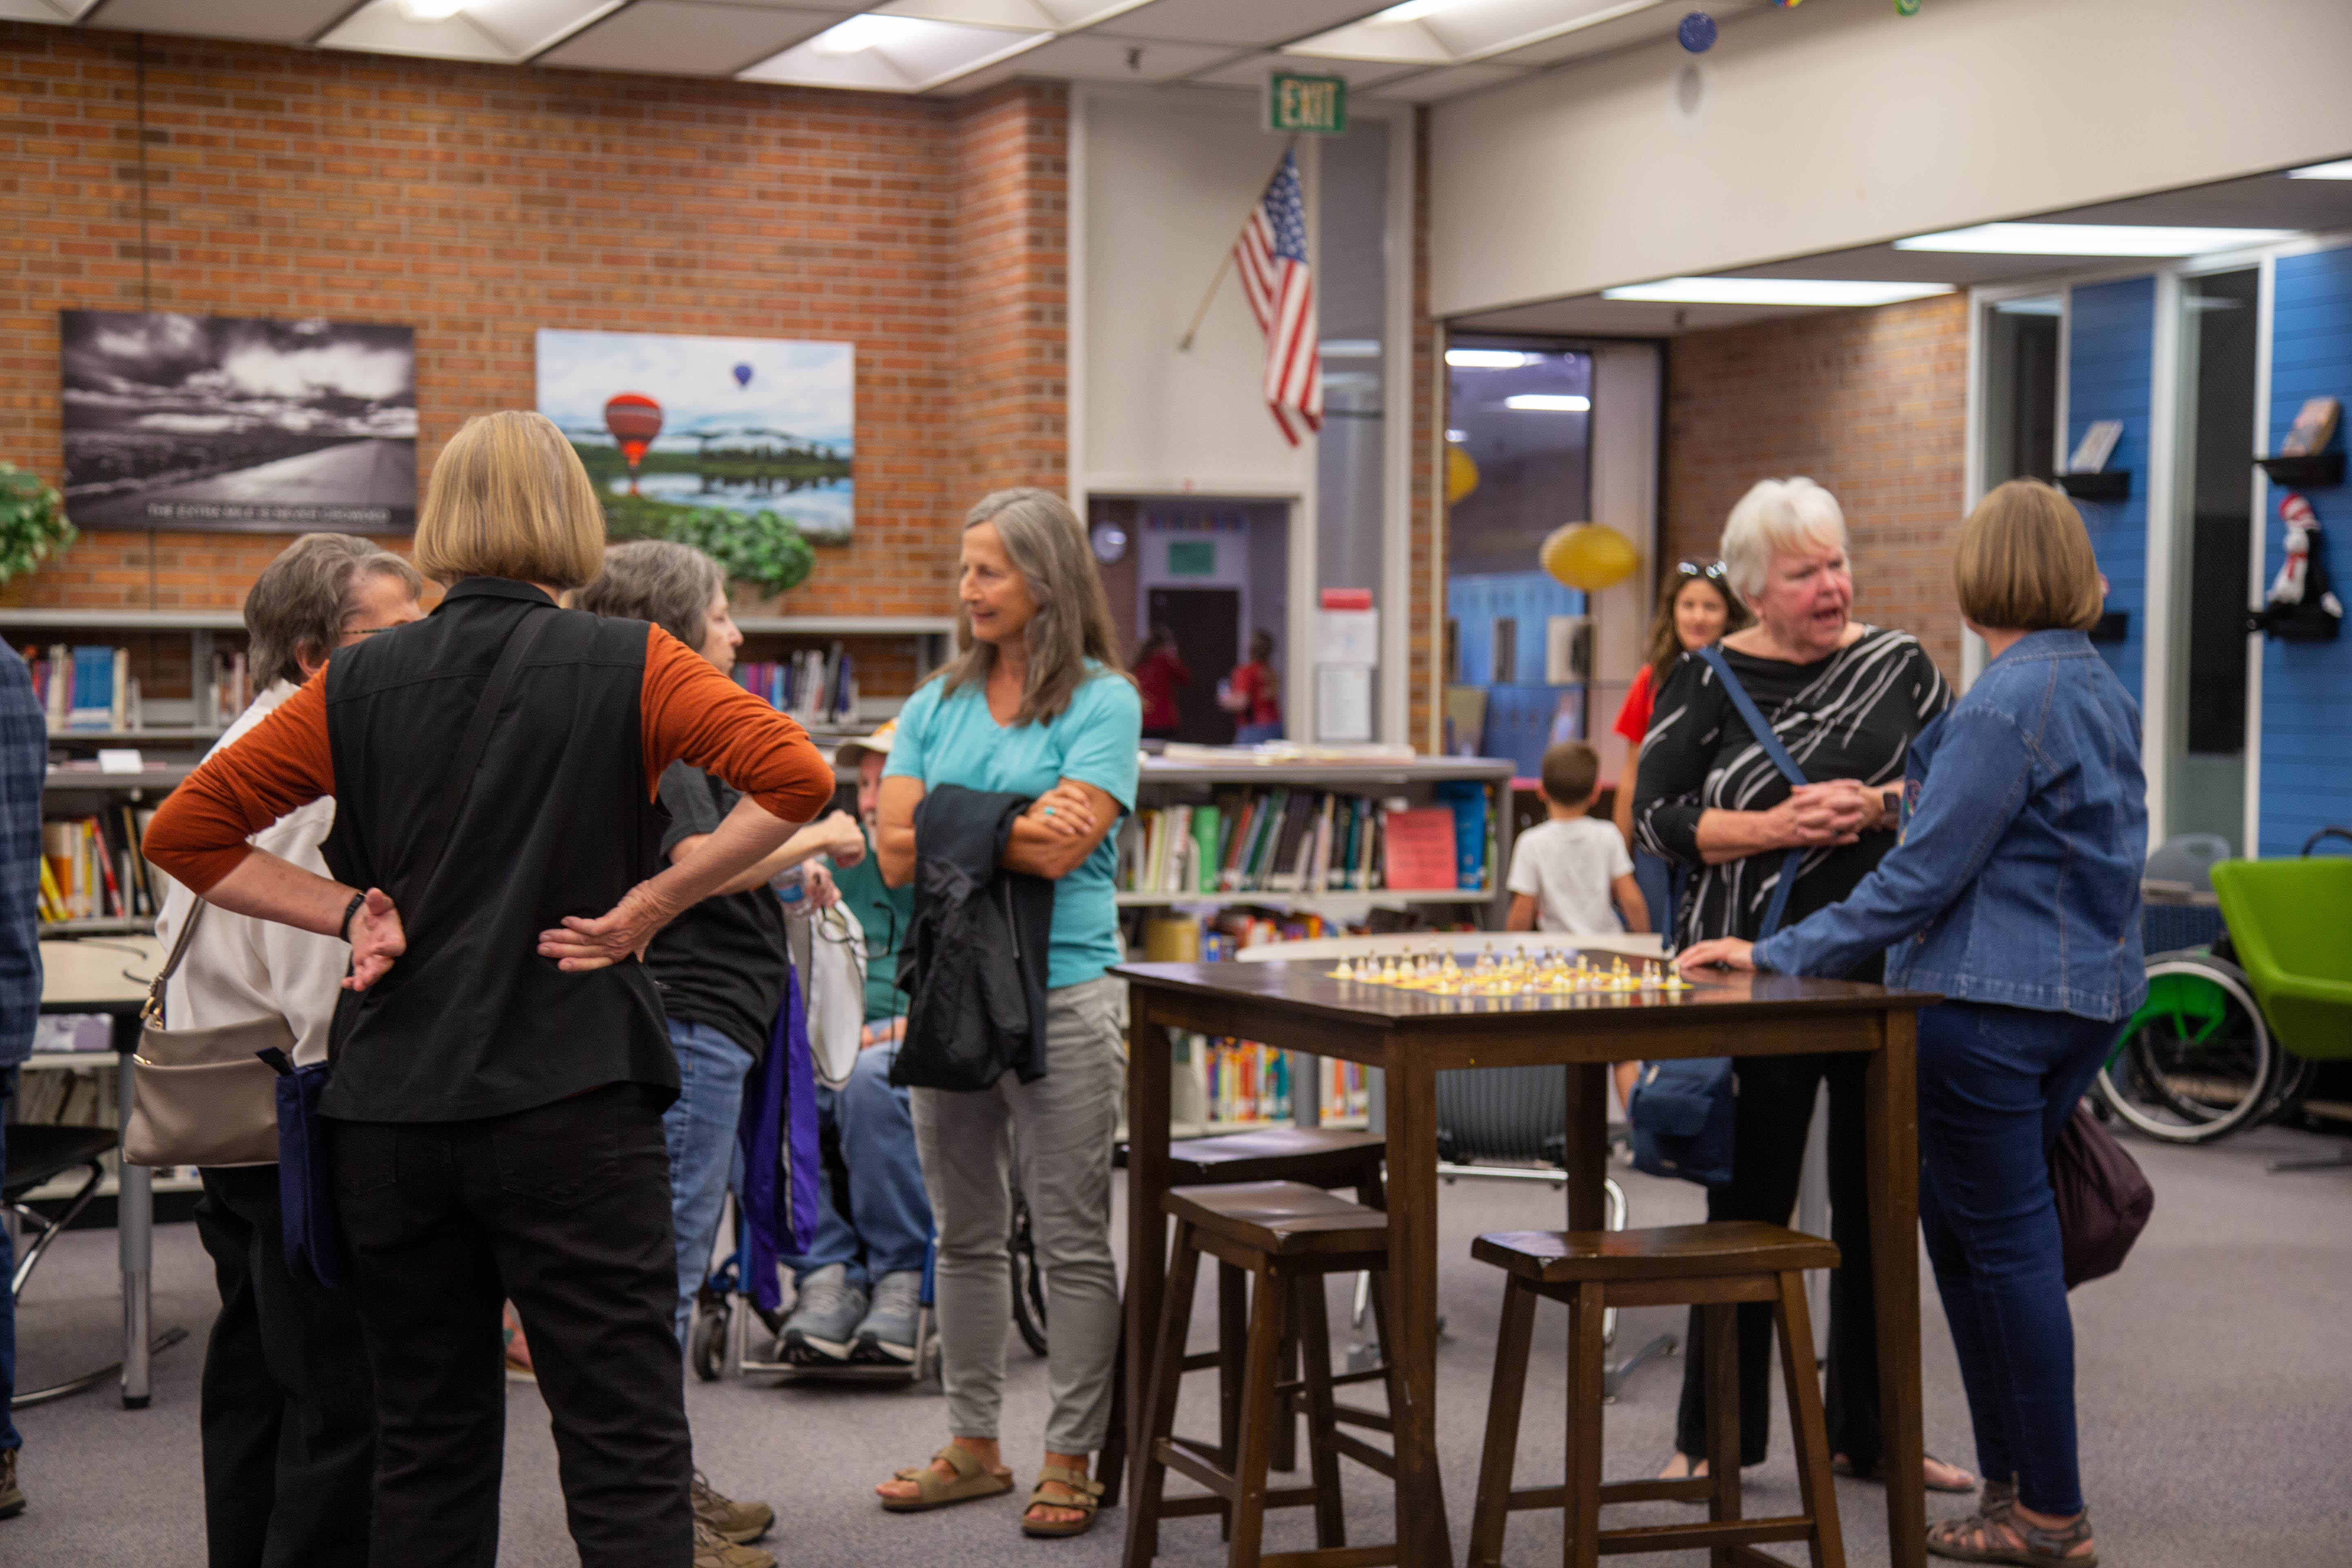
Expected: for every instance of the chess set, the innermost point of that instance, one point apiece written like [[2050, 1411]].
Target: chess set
[[1549, 973]]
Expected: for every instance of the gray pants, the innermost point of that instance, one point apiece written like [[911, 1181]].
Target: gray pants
[[1061, 1127]]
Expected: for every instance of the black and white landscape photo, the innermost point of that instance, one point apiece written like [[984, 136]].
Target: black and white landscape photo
[[215, 422]]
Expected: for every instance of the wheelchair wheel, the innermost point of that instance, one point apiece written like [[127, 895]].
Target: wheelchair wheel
[[707, 1343], [1028, 1280], [2196, 1063]]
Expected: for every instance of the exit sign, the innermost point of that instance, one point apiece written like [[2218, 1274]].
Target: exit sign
[[1316, 103]]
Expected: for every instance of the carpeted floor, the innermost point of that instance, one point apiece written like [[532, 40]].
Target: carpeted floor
[[2215, 1391]]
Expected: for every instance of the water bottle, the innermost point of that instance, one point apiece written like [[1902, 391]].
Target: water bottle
[[791, 886]]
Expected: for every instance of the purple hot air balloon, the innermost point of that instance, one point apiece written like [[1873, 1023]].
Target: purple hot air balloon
[[742, 375]]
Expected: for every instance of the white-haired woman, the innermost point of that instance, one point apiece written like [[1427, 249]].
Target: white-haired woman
[[1845, 700], [1035, 705]]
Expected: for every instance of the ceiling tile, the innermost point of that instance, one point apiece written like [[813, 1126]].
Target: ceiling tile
[[506, 30], [275, 21], [1465, 30], [1655, 22], [1452, 82], [1236, 24], [1253, 71], [688, 37], [43, 10], [891, 54], [1090, 56], [1025, 15]]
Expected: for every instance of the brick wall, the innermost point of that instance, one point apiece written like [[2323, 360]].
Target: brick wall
[[480, 203], [1871, 404], [1422, 645]]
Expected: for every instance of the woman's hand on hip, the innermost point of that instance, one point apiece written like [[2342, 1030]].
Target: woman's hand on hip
[[580, 945], [1716, 952], [376, 939]]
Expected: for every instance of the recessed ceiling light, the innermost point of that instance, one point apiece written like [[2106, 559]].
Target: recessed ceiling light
[[431, 10], [2339, 170], [858, 34], [2091, 239], [1773, 291], [1410, 11], [1486, 358], [1549, 403], [1350, 347]]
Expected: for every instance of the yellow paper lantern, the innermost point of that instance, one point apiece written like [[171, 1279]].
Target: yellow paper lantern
[[1589, 556], [1461, 474]]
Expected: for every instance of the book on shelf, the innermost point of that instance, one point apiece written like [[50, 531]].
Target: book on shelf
[[68, 1096], [1274, 839], [818, 689], [84, 687], [1242, 1082], [95, 868], [232, 686]]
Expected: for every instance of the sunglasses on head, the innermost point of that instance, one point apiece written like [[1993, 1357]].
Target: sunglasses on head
[[1712, 570]]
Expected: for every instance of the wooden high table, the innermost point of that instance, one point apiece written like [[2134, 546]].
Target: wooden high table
[[1411, 1035]]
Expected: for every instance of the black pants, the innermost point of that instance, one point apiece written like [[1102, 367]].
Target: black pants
[[566, 1209], [1776, 1111], [289, 1406]]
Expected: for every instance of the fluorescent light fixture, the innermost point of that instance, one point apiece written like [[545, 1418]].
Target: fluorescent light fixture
[[858, 34], [1350, 347], [1410, 11], [431, 10], [2091, 239], [1457, 437], [1486, 358], [1549, 403], [1773, 291], [2339, 170], [2040, 305]]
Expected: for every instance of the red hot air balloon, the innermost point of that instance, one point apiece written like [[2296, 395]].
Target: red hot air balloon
[[635, 420]]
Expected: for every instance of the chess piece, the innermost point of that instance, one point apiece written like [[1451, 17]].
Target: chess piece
[[1345, 972]]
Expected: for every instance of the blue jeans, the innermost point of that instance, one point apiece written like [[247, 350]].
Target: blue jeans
[[699, 1129], [1655, 875], [1995, 1087], [8, 1438], [889, 1213], [1257, 734]]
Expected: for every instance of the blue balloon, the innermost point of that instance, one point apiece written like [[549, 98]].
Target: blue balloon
[[1696, 32], [743, 375]]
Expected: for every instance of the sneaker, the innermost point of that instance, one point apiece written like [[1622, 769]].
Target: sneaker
[[825, 1315], [890, 1329], [712, 1550], [12, 1496], [740, 1523]]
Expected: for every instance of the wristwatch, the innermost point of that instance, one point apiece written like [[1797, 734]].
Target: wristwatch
[[345, 930]]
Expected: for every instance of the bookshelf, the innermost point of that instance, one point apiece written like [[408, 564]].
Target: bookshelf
[[1204, 1066]]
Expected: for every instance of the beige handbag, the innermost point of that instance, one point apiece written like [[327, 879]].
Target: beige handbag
[[201, 1097]]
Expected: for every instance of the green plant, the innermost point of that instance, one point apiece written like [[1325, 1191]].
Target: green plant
[[32, 521], [762, 549]]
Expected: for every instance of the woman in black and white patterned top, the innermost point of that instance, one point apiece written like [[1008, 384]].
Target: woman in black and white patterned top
[[1845, 700]]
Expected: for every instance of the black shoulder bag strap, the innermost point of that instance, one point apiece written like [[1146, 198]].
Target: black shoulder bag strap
[[1778, 753], [469, 750]]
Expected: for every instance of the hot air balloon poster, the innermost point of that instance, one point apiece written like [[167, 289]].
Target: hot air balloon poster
[[215, 422], [672, 425]]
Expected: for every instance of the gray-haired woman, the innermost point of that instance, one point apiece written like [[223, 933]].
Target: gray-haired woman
[[289, 1407], [1035, 704]]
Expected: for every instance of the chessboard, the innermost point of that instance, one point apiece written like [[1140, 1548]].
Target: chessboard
[[1550, 971]]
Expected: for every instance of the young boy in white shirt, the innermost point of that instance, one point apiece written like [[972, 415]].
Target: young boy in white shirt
[[1564, 872]]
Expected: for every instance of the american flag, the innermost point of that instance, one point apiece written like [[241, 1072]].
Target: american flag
[[1271, 256]]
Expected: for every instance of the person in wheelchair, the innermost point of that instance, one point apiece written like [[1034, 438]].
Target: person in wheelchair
[[858, 1288]]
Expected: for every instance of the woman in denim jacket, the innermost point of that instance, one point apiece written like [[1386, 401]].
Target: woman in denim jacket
[[2015, 893]]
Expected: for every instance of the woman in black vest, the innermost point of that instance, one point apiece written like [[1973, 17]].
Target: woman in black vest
[[500, 1077]]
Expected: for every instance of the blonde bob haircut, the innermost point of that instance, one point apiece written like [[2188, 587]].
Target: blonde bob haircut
[[1047, 545], [508, 499], [2024, 562], [1777, 517]]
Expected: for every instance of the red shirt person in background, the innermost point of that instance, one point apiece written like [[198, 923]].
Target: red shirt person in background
[[1157, 673], [1252, 694]]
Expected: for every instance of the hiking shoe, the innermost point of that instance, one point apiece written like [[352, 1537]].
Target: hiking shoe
[[825, 1315], [740, 1523], [712, 1550], [12, 1496], [890, 1326]]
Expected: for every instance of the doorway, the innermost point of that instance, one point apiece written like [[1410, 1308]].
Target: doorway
[[1207, 626]]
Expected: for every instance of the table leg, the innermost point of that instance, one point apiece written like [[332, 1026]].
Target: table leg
[[134, 1222], [1588, 1145], [1893, 1142], [1147, 1082], [1423, 1539]]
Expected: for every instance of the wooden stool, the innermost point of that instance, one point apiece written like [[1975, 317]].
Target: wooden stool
[[1288, 1236], [1325, 1157], [1711, 1267]]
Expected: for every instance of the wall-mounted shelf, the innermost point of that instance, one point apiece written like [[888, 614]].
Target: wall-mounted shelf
[[99, 925], [848, 626], [127, 620], [168, 737], [2315, 472], [1311, 902], [2106, 485], [86, 780]]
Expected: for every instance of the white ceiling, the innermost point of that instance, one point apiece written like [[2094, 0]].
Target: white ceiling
[[1443, 49]]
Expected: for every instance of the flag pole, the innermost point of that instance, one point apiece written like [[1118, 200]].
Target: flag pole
[[1184, 343]]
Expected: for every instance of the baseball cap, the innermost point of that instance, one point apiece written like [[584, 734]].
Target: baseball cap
[[849, 753]]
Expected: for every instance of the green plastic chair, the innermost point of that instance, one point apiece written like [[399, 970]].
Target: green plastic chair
[[2291, 922]]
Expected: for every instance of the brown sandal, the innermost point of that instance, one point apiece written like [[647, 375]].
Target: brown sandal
[[2040, 1548], [1085, 1495], [971, 1482]]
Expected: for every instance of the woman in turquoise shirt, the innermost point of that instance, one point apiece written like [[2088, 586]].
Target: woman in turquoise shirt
[[1035, 704]]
